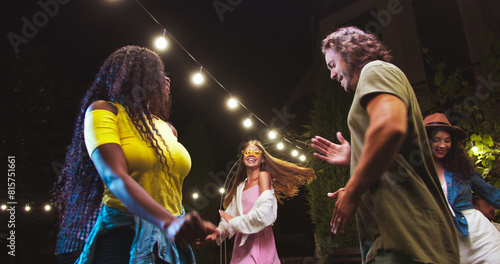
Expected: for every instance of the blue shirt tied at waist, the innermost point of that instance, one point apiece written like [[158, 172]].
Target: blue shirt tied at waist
[[460, 196], [73, 239], [146, 236]]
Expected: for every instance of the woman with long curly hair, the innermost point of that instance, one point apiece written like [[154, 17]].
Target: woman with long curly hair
[[251, 204], [126, 156], [478, 239]]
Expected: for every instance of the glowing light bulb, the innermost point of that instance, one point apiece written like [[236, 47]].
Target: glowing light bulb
[[475, 149], [198, 79], [161, 43], [27, 208], [48, 207], [247, 123], [4, 207], [272, 135], [302, 158], [195, 196], [280, 146], [222, 190], [232, 103], [295, 153]]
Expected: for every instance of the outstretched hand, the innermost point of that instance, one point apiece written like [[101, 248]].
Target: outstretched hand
[[213, 236], [216, 233], [332, 153], [225, 215], [190, 228], [343, 211]]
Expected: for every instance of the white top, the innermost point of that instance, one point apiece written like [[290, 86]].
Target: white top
[[263, 214], [445, 190]]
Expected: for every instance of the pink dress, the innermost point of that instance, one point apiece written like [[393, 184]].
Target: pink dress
[[259, 248]]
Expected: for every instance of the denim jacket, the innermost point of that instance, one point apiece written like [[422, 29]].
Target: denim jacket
[[146, 236], [460, 197]]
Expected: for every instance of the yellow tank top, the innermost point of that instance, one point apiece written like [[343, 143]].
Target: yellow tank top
[[104, 127]]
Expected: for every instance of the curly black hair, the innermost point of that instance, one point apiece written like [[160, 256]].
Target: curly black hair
[[133, 77]]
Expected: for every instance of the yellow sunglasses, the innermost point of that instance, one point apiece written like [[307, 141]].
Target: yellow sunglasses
[[256, 153]]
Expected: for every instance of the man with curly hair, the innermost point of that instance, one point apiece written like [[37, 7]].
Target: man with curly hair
[[394, 189]]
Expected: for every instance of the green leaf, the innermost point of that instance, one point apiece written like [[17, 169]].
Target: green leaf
[[438, 79], [488, 141], [475, 138]]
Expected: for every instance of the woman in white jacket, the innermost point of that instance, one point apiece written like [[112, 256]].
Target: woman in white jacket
[[261, 181]]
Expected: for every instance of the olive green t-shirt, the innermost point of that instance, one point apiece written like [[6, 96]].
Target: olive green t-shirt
[[406, 209]]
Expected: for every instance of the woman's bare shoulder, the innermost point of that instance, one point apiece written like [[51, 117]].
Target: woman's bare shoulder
[[264, 181], [102, 105]]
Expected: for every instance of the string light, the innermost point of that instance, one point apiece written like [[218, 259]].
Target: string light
[[161, 42], [248, 122], [272, 134], [302, 158], [295, 153], [195, 196], [222, 190], [232, 103], [30, 207], [198, 78], [280, 146]]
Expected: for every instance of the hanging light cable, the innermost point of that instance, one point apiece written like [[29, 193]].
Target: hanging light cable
[[199, 77]]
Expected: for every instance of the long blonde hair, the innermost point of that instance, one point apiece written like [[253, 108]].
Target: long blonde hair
[[287, 177]]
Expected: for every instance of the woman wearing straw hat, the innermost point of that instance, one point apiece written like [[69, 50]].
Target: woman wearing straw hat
[[478, 239]]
